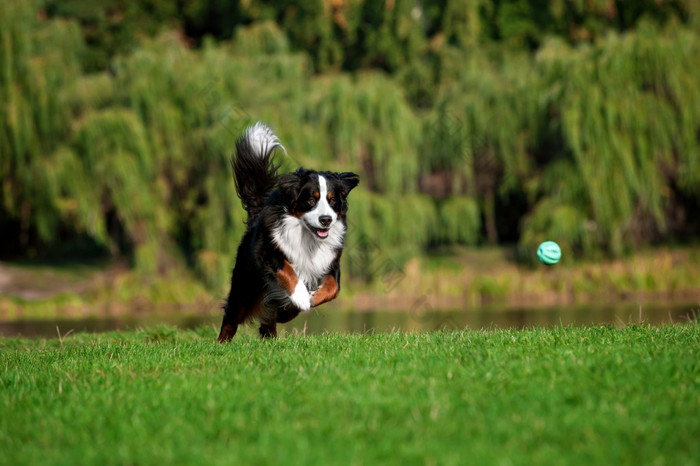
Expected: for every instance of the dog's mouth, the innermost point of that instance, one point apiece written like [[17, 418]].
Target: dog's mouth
[[319, 232]]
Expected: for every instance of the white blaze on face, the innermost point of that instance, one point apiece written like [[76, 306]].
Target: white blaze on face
[[323, 209]]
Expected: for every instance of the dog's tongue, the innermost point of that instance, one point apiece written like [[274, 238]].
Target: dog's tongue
[[322, 233]]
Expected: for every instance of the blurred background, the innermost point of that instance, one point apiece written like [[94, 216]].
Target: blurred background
[[480, 128]]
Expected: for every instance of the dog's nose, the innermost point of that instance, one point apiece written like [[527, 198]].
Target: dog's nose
[[325, 220]]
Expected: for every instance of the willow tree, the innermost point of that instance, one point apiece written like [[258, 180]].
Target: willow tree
[[599, 142], [369, 127], [137, 159], [478, 134], [629, 119], [37, 62]]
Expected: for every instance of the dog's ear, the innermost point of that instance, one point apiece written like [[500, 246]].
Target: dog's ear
[[289, 185], [349, 180]]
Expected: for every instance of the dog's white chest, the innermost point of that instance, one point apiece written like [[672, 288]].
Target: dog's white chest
[[312, 269], [310, 258]]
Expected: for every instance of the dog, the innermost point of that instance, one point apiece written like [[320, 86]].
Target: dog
[[289, 258]]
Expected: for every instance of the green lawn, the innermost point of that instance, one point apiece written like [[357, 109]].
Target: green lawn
[[601, 395]]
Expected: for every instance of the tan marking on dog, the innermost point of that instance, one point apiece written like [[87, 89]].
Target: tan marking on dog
[[287, 277], [227, 332], [326, 292]]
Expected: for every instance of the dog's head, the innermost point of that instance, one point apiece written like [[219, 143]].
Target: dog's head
[[318, 199]]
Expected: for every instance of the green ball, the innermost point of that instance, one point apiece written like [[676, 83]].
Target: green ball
[[549, 253]]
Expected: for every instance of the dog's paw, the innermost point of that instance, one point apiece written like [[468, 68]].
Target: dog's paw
[[301, 297]]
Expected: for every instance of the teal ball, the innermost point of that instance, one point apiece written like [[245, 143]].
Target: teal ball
[[549, 253]]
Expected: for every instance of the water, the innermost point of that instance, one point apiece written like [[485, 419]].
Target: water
[[388, 321]]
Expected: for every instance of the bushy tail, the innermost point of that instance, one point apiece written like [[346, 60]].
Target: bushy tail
[[254, 172]]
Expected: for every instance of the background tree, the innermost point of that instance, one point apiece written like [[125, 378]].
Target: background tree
[[469, 122]]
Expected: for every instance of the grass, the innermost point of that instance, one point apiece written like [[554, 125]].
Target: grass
[[601, 395]]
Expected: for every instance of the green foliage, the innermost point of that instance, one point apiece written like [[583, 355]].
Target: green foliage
[[544, 396], [36, 64], [625, 109], [588, 112], [459, 221], [370, 128], [380, 240], [112, 26]]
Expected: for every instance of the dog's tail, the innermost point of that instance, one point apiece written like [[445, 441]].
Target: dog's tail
[[254, 172]]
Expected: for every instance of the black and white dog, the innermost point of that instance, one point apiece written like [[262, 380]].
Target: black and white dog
[[289, 258]]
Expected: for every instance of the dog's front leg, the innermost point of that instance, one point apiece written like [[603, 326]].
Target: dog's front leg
[[328, 290], [298, 293]]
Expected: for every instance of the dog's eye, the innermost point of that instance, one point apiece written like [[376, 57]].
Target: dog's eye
[[311, 201], [331, 202]]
